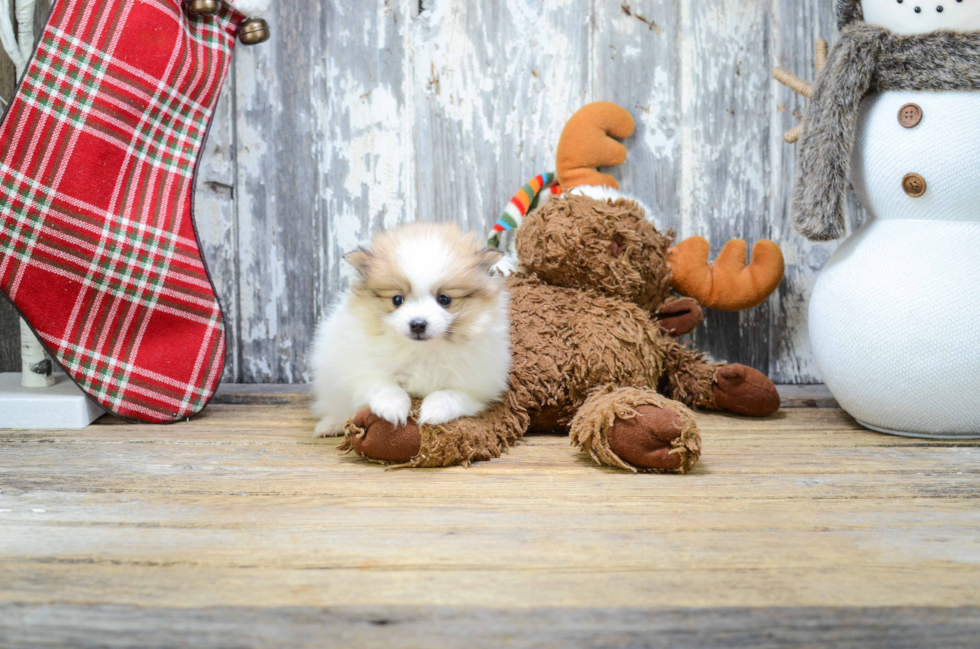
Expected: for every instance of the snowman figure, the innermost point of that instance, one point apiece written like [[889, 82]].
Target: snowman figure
[[895, 314]]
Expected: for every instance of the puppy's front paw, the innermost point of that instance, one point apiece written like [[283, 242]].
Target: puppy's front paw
[[392, 404], [329, 426], [445, 406]]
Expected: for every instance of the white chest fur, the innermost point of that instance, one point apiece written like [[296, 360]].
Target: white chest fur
[[895, 314]]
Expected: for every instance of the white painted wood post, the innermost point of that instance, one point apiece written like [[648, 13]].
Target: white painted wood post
[[17, 52], [35, 365], [25, 30]]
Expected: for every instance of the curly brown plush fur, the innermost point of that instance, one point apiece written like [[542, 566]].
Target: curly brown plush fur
[[589, 354], [460, 442], [866, 59], [613, 251]]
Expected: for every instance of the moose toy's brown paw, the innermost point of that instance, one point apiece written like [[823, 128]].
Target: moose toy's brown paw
[[380, 439], [645, 440], [745, 391], [679, 315]]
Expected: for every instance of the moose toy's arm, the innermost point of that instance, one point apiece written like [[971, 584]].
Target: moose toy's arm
[[679, 315]]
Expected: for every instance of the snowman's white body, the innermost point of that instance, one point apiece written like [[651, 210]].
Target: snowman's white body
[[895, 314]]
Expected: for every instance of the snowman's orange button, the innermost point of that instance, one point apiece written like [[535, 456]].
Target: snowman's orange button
[[910, 115], [914, 185]]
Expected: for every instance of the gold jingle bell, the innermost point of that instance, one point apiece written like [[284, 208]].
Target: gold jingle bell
[[254, 31], [203, 7]]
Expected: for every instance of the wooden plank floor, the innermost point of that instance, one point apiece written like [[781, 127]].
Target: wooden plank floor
[[239, 530]]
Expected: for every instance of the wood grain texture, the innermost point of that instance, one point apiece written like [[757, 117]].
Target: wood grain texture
[[361, 116], [413, 627], [798, 530], [248, 394], [725, 151], [636, 62], [797, 24], [9, 320], [494, 84], [216, 219]]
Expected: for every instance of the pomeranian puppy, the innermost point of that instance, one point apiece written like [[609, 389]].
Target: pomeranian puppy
[[425, 318]]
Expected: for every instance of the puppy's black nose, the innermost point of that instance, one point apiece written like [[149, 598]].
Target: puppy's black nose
[[418, 326]]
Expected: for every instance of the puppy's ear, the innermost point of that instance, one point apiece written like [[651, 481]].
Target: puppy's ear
[[489, 258], [360, 259]]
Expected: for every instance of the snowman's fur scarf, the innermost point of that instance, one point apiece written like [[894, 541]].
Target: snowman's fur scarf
[[848, 11], [866, 59]]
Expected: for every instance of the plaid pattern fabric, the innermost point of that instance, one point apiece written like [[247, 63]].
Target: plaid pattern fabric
[[98, 249]]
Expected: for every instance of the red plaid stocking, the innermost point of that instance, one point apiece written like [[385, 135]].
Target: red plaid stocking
[[98, 249]]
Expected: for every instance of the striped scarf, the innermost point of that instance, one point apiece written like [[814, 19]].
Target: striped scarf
[[526, 199]]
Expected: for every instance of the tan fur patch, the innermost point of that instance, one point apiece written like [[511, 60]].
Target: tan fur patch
[[468, 282]]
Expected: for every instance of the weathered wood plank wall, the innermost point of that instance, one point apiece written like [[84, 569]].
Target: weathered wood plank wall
[[363, 115]]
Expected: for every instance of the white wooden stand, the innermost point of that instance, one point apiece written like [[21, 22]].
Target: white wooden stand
[[61, 406]]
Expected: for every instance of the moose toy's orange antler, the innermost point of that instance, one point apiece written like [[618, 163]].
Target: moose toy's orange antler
[[729, 284], [587, 142]]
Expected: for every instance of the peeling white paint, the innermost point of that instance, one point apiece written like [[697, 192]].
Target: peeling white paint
[[445, 114]]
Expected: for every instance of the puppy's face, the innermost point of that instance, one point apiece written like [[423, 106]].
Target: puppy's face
[[426, 282]]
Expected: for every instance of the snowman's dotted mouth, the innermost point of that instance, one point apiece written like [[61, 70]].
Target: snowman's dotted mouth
[[918, 10]]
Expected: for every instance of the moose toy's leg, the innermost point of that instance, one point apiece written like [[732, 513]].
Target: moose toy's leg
[[701, 384], [637, 429], [463, 441]]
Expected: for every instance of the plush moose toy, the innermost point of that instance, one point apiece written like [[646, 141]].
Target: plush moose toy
[[593, 326]]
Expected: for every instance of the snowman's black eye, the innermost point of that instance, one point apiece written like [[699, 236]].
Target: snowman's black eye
[[918, 10], [939, 8]]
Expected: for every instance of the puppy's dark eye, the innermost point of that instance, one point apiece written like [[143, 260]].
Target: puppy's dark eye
[[398, 300], [445, 300]]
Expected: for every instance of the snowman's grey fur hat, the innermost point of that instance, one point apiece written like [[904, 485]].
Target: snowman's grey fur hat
[[848, 11]]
